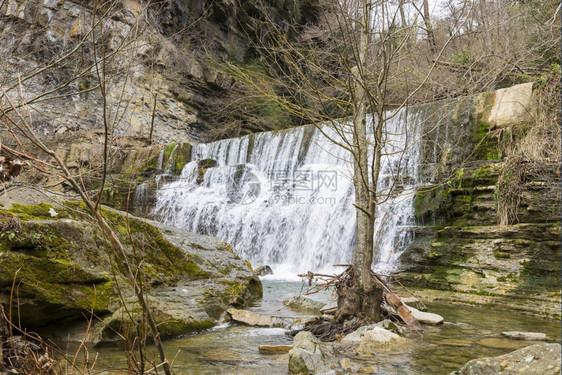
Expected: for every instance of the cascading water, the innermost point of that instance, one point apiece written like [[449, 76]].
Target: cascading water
[[286, 198]]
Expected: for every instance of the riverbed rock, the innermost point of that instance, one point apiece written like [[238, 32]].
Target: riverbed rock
[[301, 303], [254, 319], [426, 317], [378, 339], [541, 359], [357, 335], [413, 302], [275, 349], [65, 267], [263, 271], [309, 355], [530, 336], [502, 343]]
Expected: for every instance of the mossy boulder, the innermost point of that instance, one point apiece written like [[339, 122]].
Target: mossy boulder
[[57, 264]]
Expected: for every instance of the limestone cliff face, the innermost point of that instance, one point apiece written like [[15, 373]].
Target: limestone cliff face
[[160, 65], [489, 220]]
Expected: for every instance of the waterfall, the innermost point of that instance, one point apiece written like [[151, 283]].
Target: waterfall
[[286, 198]]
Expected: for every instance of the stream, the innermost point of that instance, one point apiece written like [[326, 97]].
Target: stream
[[468, 333]]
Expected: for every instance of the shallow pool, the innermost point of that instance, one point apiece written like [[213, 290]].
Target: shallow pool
[[468, 333]]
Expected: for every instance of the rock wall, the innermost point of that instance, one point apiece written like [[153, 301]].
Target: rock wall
[[161, 66], [489, 219]]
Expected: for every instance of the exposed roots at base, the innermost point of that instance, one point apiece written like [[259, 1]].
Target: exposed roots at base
[[359, 304]]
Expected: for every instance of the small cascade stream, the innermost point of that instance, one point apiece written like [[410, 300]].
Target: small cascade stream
[[286, 198]]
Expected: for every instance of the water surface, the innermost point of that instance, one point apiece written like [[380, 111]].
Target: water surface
[[468, 333]]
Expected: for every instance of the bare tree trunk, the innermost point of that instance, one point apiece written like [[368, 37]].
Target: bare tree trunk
[[403, 20], [361, 297], [428, 27], [484, 24]]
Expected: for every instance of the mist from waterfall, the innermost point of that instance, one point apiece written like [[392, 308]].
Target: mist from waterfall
[[285, 198]]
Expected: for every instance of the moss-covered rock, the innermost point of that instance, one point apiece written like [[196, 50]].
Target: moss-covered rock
[[59, 269]]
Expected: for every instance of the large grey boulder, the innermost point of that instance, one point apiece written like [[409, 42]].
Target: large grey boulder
[[303, 304], [308, 356], [66, 268], [378, 339], [541, 359]]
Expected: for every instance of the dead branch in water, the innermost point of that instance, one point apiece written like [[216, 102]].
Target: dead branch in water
[[391, 298]]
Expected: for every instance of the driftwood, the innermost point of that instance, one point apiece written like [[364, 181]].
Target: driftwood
[[20, 355], [391, 298]]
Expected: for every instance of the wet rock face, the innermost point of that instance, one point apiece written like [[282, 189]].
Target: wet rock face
[[488, 225], [535, 359], [64, 266]]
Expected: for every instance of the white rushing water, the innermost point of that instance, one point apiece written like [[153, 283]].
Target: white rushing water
[[285, 198]]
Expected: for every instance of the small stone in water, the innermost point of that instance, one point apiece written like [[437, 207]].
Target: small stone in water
[[274, 349], [533, 336]]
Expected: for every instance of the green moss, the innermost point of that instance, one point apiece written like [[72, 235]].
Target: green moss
[[485, 147], [42, 211], [168, 150], [459, 176], [234, 292], [501, 255], [435, 201], [298, 367], [194, 271], [171, 328], [97, 296], [238, 293], [225, 247], [277, 115], [165, 258], [453, 276], [542, 270], [43, 270], [483, 293], [437, 279], [33, 239], [56, 282], [434, 255]]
